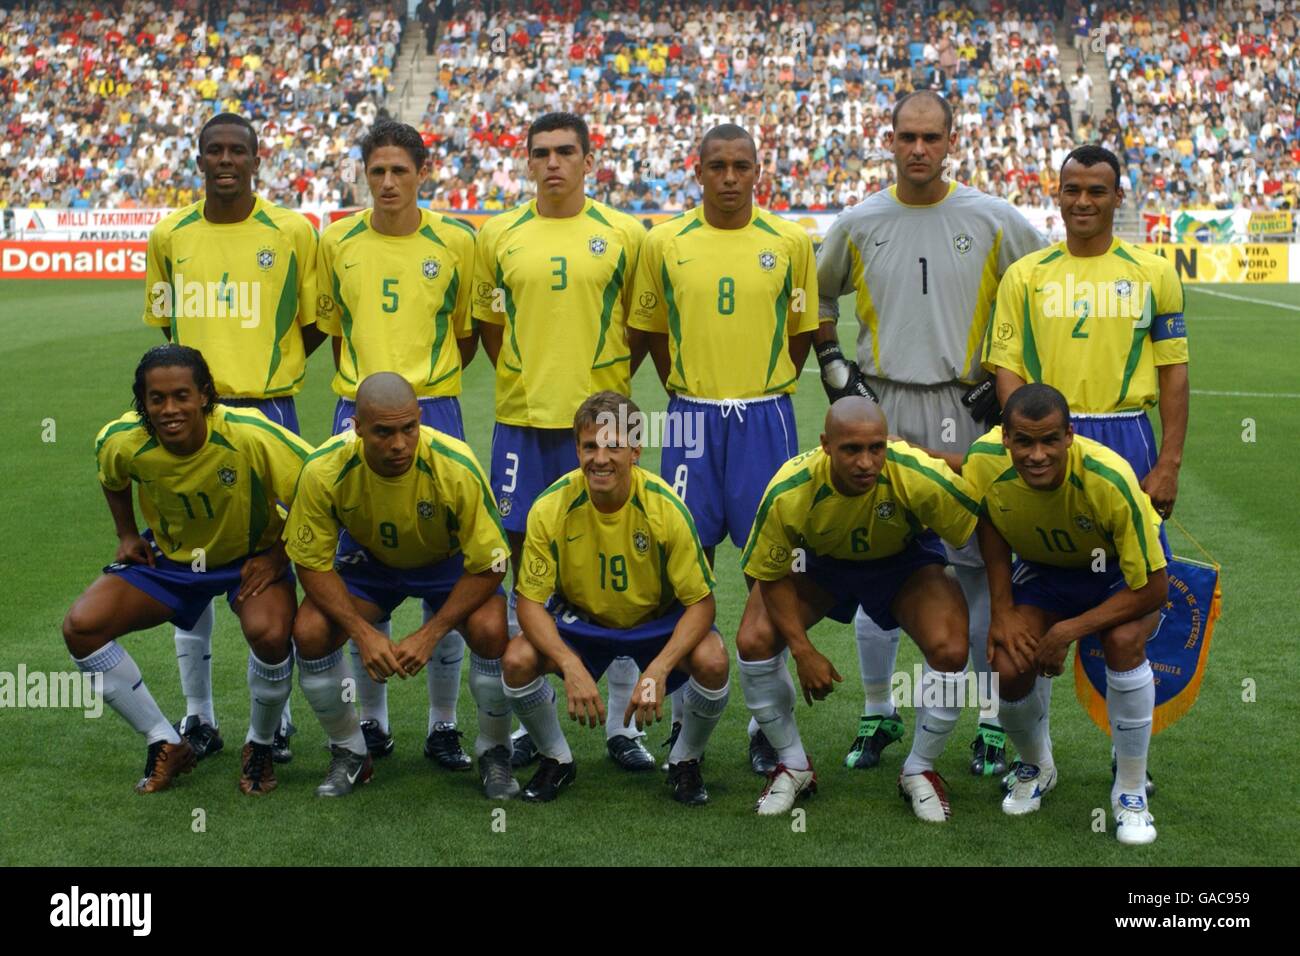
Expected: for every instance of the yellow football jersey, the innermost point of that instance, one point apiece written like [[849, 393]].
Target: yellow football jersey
[[620, 569], [1099, 506], [1093, 327], [802, 509], [729, 299], [399, 302], [222, 498], [441, 506], [560, 287], [238, 293]]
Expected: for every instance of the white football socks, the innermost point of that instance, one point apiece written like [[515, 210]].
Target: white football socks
[[769, 694], [534, 705], [1025, 722], [934, 724], [126, 693], [620, 678], [371, 695], [704, 707], [975, 588], [321, 681], [1130, 704], [194, 658], [493, 709], [442, 675], [268, 690], [877, 655]]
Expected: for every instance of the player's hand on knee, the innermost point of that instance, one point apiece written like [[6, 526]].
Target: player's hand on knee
[[1011, 633], [585, 703], [647, 703], [412, 654], [817, 675], [258, 574], [1052, 649], [379, 656], [134, 549]]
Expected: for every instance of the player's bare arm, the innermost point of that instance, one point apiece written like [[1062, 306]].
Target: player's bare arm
[[132, 548], [491, 335], [817, 675], [1008, 630], [327, 591], [692, 628], [638, 344], [584, 700], [468, 347], [657, 346], [798, 347], [1161, 483], [1007, 382], [470, 593], [1120, 608], [312, 337]]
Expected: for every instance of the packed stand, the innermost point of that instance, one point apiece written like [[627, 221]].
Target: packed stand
[[102, 105]]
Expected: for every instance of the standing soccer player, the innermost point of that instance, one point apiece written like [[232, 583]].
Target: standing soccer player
[[855, 524], [551, 295], [210, 477], [1087, 561], [394, 285], [924, 258], [1101, 320], [727, 294], [418, 520], [613, 565], [233, 276]]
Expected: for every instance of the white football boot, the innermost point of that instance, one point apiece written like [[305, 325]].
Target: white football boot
[[1134, 825], [784, 787], [1026, 794], [927, 795]]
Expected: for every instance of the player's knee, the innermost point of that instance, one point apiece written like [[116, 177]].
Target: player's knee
[[950, 654], [311, 633], [756, 637], [486, 630], [83, 632], [1125, 647], [709, 663], [519, 664], [270, 640]]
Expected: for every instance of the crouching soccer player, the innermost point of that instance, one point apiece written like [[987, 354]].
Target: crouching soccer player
[[209, 479], [860, 510], [1088, 560], [418, 521], [615, 552]]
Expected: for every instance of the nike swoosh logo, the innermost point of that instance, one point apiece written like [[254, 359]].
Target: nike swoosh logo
[[682, 262], [1000, 508], [353, 508], [186, 259], [1122, 727], [574, 538], [444, 661], [348, 265], [924, 799], [881, 242], [352, 777], [511, 252]]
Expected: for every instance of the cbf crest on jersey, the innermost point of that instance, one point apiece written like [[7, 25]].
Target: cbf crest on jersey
[[424, 509], [431, 268], [885, 510], [226, 476], [767, 260], [1083, 522], [640, 541], [597, 245], [265, 258], [1123, 289], [962, 243]]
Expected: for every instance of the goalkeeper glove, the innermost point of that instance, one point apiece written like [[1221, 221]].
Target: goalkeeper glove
[[840, 377], [982, 402]]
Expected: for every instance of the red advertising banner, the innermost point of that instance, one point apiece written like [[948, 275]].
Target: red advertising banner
[[72, 260]]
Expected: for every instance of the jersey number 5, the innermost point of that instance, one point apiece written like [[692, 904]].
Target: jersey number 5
[[390, 296]]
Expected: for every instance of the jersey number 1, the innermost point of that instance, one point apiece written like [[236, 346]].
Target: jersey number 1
[[925, 277]]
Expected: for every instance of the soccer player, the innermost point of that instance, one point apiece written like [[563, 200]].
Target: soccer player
[[1088, 561], [854, 523], [924, 258], [1101, 320], [209, 478], [232, 275], [618, 552], [727, 294], [551, 296], [394, 287], [417, 520]]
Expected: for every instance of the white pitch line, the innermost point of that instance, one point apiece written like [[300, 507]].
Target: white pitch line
[[1202, 391], [1243, 298]]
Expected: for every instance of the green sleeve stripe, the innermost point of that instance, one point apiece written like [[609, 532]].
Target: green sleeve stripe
[[217, 439], [594, 213], [824, 492], [286, 313], [1075, 480], [264, 219], [510, 313], [694, 224], [352, 462], [469, 465], [428, 233], [114, 429], [1029, 348], [195, 215], [985, 448], [326, 449], [356, 230], [453, 221], [760, 224], [1123, 254], [441, 325], [674, 326], [1117, 479], [782, 310], [938, 478], [150, 445], [553, 487], [1009, 475], [528, 214], [801, 477], [259, 511], [298, 447], [1140, 331], [577, 502], [422, 465], [1051, 257], [680, 505], [610, 297]]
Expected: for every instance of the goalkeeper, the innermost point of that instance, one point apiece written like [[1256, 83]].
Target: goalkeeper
[[924, 258]]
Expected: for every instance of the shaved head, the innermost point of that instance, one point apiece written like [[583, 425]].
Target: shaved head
[[852, 411], [384, 392]]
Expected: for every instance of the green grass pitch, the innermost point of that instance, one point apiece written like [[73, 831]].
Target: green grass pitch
[[1226, 773]]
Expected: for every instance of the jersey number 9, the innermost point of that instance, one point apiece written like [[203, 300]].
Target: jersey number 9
[[388, 534]]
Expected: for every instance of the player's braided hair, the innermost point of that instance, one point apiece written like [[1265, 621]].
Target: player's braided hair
[[172, 355], [607, 407], [388, 132]]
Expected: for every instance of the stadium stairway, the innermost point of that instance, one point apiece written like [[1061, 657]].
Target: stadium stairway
[[417, 75]]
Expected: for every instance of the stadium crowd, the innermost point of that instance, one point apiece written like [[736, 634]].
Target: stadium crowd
[[101, 104]]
